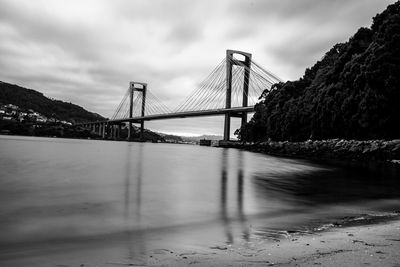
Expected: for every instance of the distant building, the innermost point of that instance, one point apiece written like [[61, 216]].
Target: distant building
[[41, 118], [22, 116], [11, 109], [33, 115], [66, 122], [52, 120]]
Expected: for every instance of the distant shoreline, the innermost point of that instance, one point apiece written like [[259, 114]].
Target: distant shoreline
[[331, 149]]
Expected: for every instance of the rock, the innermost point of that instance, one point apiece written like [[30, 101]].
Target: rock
[[396, 141], [396, 148], [365, 150], [354, 148], [330, 149], [340, 143], [374, 147]]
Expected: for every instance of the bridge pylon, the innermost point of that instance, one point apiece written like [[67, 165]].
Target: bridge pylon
[[230, 62], [140, 88]]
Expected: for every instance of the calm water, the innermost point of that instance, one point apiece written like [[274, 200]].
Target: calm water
[[68, 195]]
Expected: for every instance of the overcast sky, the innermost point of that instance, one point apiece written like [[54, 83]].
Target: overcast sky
[[87, 51]]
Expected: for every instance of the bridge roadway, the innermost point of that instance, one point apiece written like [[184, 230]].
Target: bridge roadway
[[202, 113]]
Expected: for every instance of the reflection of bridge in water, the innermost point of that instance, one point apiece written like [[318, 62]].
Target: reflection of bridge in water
[[229, 202], [232, 89], [225, 216]]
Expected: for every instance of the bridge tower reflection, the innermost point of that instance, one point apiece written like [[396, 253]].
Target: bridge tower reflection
[[229, 220], [136, 240]]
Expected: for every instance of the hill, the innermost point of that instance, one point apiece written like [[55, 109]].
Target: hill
[[63, 112], [353, 92], [30, 99]]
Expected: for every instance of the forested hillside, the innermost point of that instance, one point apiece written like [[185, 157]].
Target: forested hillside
[[353, 92], [31, 99]]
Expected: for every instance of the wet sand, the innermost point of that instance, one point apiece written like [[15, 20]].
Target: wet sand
[[376, 243], [361, 245]]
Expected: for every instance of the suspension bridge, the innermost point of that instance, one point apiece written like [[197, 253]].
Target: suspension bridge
[[231, 90]]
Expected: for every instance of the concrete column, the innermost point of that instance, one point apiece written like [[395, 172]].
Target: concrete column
[[131, 87], [143, 111], [229, 63], [139, 87], [142, 130], [245, 101], [103, 133], [227, 124]]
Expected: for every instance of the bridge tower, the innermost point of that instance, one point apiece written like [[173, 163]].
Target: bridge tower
[[140, 88], [230, 62]]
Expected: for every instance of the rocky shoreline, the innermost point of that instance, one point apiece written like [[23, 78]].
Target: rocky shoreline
[[332, 149]]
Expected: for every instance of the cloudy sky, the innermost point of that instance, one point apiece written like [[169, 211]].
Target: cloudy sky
[[87, 51]]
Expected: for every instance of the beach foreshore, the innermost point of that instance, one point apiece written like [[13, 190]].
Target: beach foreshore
[[360, 243], [375, 244]]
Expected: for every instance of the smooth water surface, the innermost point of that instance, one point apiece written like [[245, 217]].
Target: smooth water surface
[[63, 195]]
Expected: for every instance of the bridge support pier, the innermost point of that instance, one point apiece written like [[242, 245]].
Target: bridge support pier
[[227, 127], [230, 62], [142, 130], [115, 131], [129, 137], [103, 132]]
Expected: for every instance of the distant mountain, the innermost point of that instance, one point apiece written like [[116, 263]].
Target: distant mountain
[[200, 137], [30, 99], [189, 139], [171, 137]]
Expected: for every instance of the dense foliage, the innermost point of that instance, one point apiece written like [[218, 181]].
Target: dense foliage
[[352, 92], [31, 99], [13, 127]]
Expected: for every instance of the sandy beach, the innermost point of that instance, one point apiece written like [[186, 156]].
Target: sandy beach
[[375, 244], [361, 244]]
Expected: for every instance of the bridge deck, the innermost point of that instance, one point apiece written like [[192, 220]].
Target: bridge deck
[[185, 114]]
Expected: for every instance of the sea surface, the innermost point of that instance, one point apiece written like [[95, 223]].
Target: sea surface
[[114, 201]]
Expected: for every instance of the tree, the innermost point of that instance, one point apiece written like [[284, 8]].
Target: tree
[[352, 92]]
